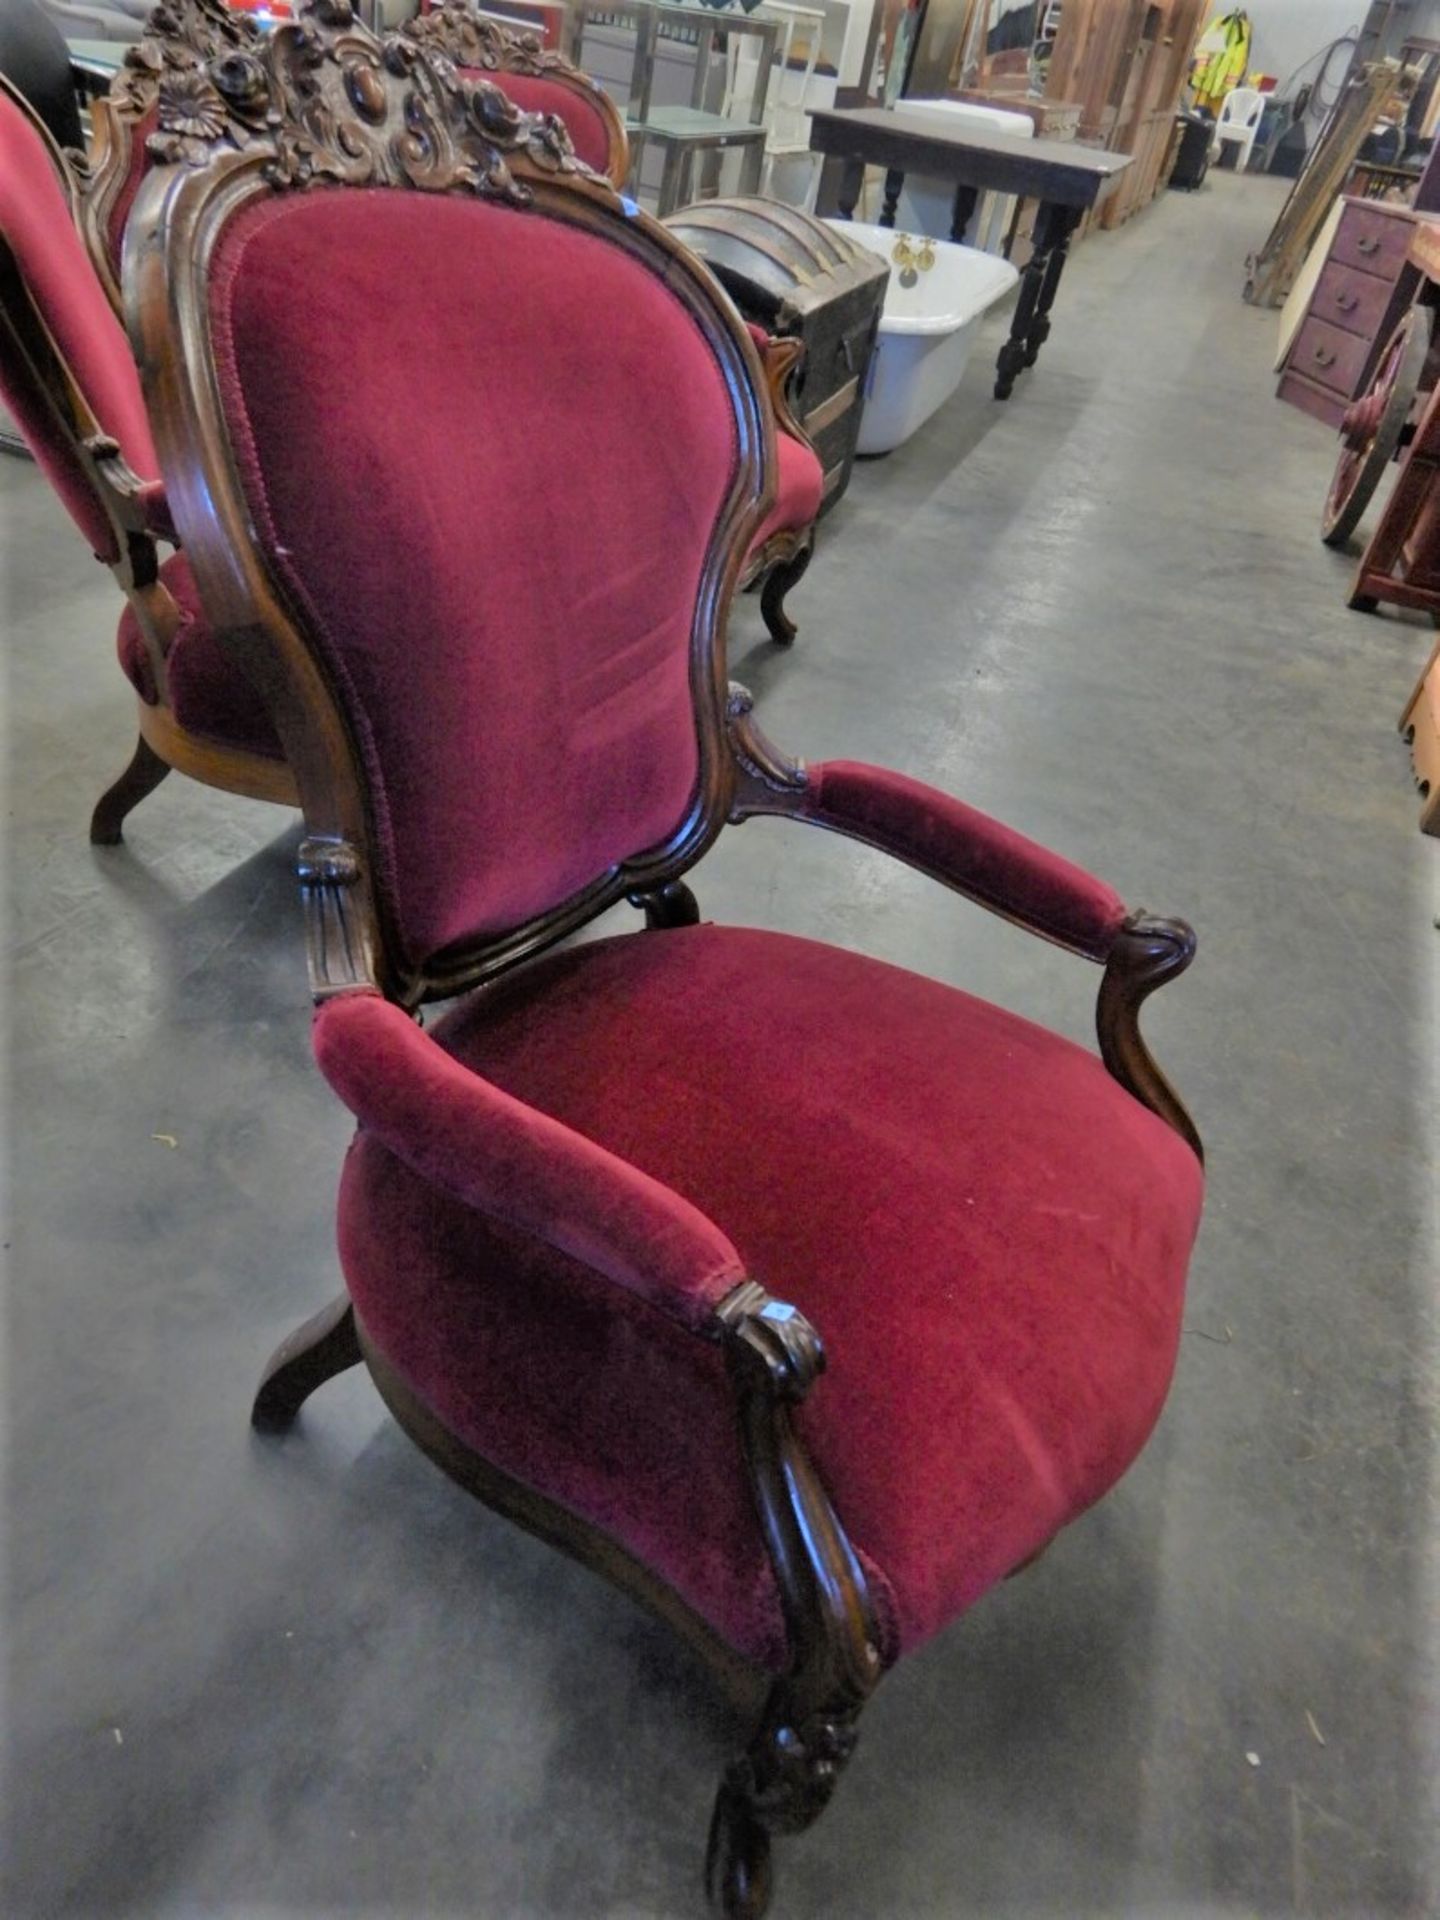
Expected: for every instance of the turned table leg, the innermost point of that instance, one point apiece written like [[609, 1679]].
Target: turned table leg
[[847, 194], [1061, 225], [894, 181], [1030, 326], [963, 212]]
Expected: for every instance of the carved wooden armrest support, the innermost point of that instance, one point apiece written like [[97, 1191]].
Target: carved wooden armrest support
[[1147, 952], [773, 1336], [337, 940], [781, 357], [139, 506], [808, 1729], [768, 781]]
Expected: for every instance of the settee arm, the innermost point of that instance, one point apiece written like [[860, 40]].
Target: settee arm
[[506, 1159]]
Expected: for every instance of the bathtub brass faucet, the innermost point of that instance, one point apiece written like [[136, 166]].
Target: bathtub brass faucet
[[912, 259]]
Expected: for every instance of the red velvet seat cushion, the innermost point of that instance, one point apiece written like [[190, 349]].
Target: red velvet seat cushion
[[989, 1233], [797, 496], [209, 695], [37, 229], [533, 93]]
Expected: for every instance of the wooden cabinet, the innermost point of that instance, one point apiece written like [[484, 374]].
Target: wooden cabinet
[[1357, 300], [1126, 62]]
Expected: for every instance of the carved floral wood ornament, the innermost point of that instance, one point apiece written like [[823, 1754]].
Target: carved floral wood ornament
[[319, 103], [201, 75], [182, 37], [323, 103]]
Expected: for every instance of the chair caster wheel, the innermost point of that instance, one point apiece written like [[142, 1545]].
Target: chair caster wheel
[[738, 1881]]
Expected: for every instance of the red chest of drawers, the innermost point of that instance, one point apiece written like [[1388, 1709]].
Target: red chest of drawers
[[1357, 300]]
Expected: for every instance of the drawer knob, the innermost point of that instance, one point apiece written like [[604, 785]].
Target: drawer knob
[[1324, 356], [1367, 243], [1347, 302]]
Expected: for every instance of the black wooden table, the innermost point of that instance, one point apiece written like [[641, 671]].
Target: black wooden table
[[1066, 179]]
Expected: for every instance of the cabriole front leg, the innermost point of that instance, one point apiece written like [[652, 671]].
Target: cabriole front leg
[[143, 775], [809, 1728], [327, 1344], [784, 575]]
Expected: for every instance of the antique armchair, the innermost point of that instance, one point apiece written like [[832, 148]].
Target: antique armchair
[[185, 34], [596, 1223], [68, 378]]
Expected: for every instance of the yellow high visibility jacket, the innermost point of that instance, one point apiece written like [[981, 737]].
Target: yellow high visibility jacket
[[1221, 59]]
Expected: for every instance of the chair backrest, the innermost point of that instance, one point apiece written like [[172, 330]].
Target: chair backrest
[[1241, 109], [181, 37], [538, 80], [66, 369], [466, 454]]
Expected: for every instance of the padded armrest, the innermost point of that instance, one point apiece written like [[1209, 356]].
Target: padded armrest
[[510, 1161], [966, 850]]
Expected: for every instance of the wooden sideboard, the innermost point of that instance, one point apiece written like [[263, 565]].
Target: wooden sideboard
[[1363, 289]]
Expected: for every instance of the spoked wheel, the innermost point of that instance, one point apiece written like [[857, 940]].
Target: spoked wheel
[[1371, 429]]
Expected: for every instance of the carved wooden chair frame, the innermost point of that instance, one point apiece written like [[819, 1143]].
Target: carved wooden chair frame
[[458, 30], [467, 138], [180, 36], [140, 521]]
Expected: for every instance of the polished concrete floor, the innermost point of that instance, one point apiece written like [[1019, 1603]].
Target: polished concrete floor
[[310, 1678]]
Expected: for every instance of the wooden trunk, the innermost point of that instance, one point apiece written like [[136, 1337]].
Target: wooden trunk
[[797, 277]]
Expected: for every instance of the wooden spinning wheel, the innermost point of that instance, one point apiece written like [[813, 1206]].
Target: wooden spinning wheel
[[1373, 426]]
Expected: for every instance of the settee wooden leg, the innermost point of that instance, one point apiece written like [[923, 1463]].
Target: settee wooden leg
[[778, 583], [327, 1344], [143, 775]]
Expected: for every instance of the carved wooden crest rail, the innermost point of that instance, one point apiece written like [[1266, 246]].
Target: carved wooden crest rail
[[332, 101]]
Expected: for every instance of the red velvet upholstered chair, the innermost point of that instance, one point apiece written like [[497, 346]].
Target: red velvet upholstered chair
[[597, 1223], [68, 378]]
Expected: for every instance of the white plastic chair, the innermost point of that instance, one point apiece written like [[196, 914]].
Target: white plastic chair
[[1239, 122]]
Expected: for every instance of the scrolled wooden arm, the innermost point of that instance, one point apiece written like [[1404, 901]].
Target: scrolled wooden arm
[[808, 1729], [961, 847], [780, 358], [990, 864], [1147, 952]]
